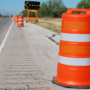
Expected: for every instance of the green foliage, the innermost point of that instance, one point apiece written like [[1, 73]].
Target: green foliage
[[32, 14], [24, 13], [51, 8], [0, 15], [84, 4]]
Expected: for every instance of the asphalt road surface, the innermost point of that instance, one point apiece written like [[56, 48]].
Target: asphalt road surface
[[4, 26], [29, 59]]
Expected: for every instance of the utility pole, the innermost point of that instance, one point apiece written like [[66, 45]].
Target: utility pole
[[0, 12], [3, 12]]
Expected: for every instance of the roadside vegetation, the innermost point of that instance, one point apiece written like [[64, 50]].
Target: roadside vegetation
[[52, 9], [49, 26], [53, 24], [84, 4]]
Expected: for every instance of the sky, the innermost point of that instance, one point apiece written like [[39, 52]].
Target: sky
[[12, 7]]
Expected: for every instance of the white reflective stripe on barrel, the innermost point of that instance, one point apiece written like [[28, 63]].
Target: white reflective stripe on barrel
[[20, 22], [74, 61], [75, 37], [20, 19]]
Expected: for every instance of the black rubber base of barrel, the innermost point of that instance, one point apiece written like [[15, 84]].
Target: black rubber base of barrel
[[79, 87]]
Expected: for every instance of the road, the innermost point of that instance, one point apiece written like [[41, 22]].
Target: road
[[29, 59], [4, 26]]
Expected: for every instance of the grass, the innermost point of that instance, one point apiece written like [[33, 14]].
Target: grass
[[48, 25], [57, 30], [34, 22]]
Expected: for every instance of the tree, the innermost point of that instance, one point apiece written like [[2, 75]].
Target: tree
[[0, 15], [43, 10], [24, 13], [88, 0], [84, 3], [52, 8]]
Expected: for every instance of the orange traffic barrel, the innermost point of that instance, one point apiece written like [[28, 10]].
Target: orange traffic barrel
[[20, 21], [73, 68], [16, 19]]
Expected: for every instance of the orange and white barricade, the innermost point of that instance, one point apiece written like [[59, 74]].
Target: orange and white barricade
[[20, 21], [73, 68], [16, 19]]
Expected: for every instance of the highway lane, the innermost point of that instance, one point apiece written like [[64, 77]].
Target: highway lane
[[4, 26], [29, 59]]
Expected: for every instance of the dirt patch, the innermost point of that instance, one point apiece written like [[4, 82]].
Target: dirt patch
[[53, 24], [56, 21]]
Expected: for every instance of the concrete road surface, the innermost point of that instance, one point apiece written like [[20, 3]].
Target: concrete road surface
[[4, 26], [29, 59]]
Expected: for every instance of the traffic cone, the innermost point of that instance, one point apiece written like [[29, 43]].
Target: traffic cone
[[20, 21], [73, 68], [16, 19]]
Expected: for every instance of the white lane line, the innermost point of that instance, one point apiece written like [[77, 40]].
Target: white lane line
[[3, 42]]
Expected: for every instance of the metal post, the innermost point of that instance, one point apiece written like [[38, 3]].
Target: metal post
[[3, 12]]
